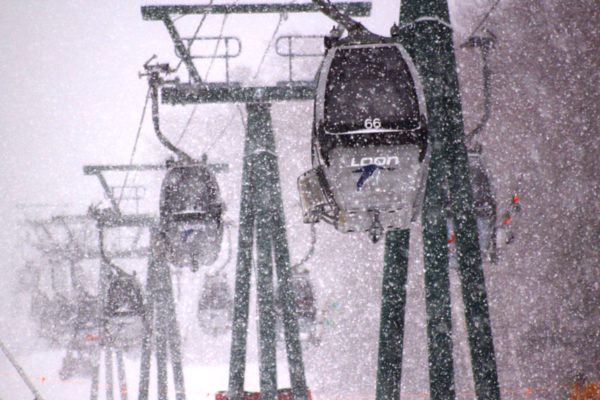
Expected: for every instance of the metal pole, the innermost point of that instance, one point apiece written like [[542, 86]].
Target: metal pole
[[266, 310], [284, 273], [470, 268], [108, 373], [428, 36], [261, 197], [237, 361], [422, 38], [160, 321], [121, 375], [95, 374], [391, 331], [161, 334], [20, 371], [437, 284], [106, 340], [173, 336], [148, 320], [259, 122]]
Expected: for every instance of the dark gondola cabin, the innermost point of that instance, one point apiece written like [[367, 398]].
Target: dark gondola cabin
[[191, 215], [369, 144], [124, 296], [124, 309]]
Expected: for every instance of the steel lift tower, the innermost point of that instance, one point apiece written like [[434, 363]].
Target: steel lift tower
[[262, 223], [425, 31]]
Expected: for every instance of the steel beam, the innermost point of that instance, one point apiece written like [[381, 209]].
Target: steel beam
[[237, 360], [156, 13], [261, 220], [393, 303], [266, 307], [186, 93], [95, 169], [160, 322], [427, 34]]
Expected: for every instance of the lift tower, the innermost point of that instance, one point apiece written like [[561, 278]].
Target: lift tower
[[425, 30], [262, 223], [110, 218]]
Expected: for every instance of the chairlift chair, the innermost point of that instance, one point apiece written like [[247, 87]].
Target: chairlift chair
[[369, 139], [191, 215]]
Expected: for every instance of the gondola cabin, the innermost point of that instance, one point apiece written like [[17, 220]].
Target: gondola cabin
[[304, 296], [124, 309], [305, 307], [191, 215], [124, 297], [215, 305], [369, 141]]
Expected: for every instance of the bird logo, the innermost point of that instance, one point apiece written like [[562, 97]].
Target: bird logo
[[366, 172]]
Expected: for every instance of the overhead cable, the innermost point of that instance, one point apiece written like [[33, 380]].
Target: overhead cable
[[262, 60], [135, 143], [212, 59], [485, 17]]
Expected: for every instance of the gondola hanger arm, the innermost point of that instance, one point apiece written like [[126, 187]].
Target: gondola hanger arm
[[330, 10], [118, 270], [153, 73], [485, 44]]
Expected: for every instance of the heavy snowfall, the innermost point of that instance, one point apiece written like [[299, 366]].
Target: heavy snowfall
[[74, 93]]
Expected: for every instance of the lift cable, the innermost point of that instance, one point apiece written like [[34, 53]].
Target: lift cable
[[215, 51], [195, 32], [264, 56], [135, 143], [260, 65], [212, 60], [485, 17]]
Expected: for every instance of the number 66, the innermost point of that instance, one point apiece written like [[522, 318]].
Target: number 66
[[372, 123]]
